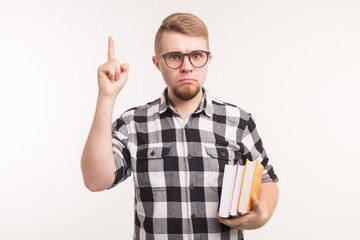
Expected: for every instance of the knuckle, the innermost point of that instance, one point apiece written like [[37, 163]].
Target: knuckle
[[101, 69], [104, 66], [113, 64], [108, 67]]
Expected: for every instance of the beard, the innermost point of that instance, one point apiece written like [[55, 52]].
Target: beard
[[186, 93]]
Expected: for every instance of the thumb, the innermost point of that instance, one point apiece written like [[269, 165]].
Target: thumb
[[124, 67], [254, 203]]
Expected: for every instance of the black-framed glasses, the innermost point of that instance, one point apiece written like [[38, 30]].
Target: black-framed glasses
[[197, 58]]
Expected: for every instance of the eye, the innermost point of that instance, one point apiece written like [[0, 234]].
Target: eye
[[174, 56], [197, 55]]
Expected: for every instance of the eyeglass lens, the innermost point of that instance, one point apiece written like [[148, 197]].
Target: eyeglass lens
[[197, 59]]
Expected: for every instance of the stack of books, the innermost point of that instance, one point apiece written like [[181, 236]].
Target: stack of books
[[240, 183]]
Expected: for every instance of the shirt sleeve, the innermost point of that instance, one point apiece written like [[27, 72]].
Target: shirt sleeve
[[252, 148], [121, 153]]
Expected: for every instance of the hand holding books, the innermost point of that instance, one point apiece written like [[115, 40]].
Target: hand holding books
[[255, 219], [240, 183], [249, 214]]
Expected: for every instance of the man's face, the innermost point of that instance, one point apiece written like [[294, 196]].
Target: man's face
[[185, 82]]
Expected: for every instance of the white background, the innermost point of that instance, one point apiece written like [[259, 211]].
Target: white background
[[293, 64]]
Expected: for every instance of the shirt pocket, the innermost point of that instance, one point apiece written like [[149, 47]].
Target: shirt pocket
[[218, 157], [150, 168]]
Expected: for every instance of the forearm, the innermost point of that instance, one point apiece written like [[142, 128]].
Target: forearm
[[97, 161], [268, 197]]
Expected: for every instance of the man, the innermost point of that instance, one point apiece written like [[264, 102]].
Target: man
[[176, 146]]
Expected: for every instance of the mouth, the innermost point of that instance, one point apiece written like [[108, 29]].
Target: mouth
[[187, 80]]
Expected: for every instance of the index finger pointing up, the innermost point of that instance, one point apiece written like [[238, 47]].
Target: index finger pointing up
[[111, 50]]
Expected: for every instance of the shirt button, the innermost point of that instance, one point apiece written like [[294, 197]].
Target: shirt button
[[193, 215], [223, 154], [189, 156], [191, 186]]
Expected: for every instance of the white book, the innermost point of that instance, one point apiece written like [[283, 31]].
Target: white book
[[239, 173], [226, 192]]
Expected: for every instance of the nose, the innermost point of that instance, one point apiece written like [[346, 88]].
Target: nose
[[186, 66]]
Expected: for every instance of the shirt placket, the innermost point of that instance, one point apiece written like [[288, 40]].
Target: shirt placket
[[192, 178], [185, 155]]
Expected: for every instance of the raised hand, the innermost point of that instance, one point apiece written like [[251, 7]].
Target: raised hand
[[112, 75]]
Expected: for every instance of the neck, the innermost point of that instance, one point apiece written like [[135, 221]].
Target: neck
[[185, 108]]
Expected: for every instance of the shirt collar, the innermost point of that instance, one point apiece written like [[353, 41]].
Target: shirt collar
[[205, 104]]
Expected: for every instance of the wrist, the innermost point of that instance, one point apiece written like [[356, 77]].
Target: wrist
[[105, 103], [106, 99]]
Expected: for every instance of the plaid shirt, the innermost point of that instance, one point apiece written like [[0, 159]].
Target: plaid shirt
[[178, 165]]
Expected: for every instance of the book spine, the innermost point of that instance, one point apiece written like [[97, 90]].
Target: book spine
[[226, 192], [256, 183], [240, 212], [232, 212], [237, 189]]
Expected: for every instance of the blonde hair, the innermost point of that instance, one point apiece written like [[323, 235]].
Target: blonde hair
[[185, 23]]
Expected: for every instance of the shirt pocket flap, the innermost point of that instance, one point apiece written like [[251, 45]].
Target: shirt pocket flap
[[221, 153], [153, 153]]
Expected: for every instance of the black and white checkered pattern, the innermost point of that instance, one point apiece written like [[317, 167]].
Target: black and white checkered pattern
[[178, 165]]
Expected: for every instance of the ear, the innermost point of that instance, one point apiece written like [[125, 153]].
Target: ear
[[210, 57], [156, 62]]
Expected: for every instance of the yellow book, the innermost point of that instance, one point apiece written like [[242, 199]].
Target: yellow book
[[250, 185]]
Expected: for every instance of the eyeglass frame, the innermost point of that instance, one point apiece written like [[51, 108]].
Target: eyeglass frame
[[188, 55]]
